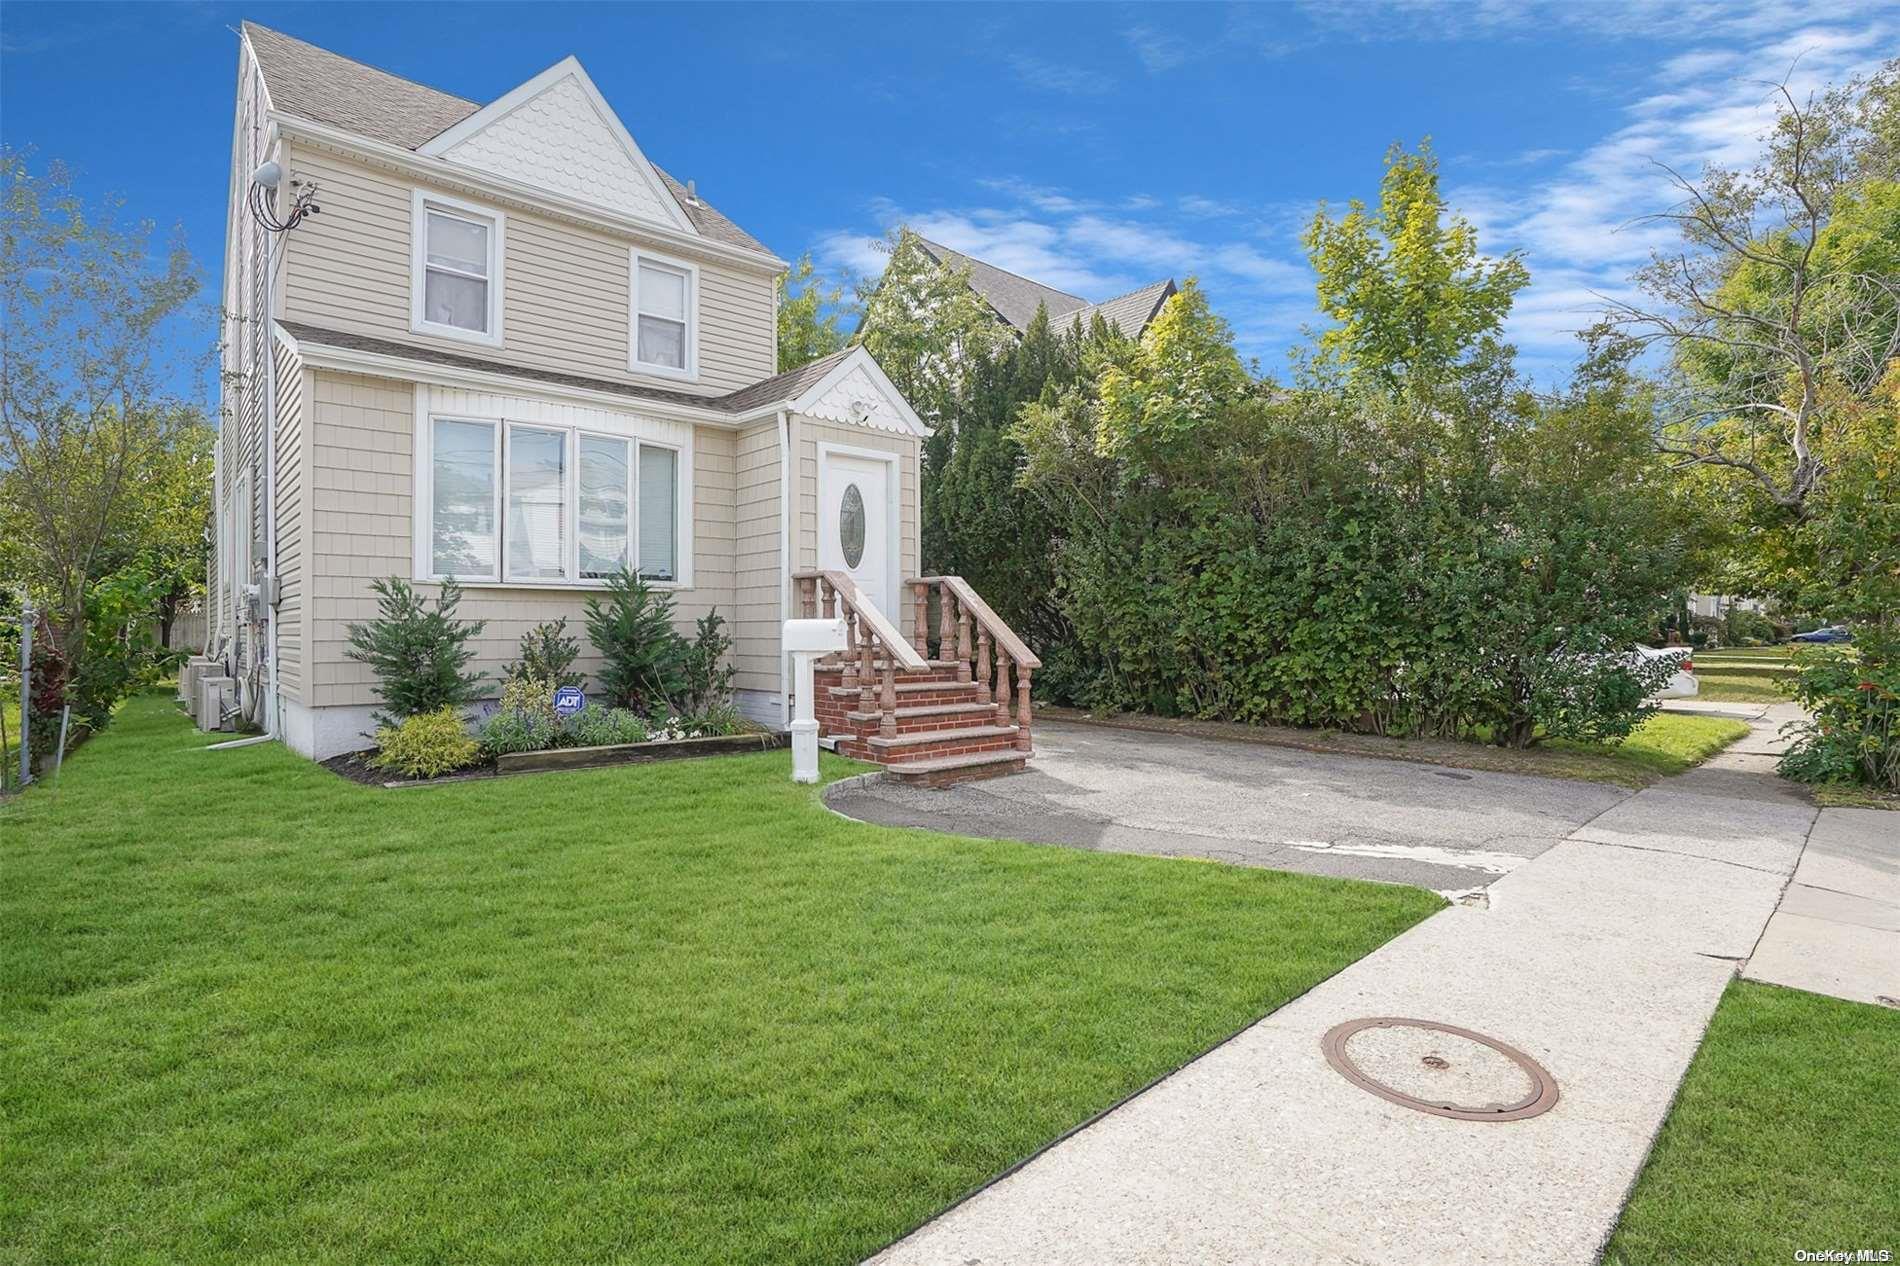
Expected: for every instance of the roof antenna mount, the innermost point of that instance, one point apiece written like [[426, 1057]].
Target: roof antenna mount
[[692, 193]]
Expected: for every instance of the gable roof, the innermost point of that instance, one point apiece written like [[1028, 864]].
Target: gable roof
[[1014, 298], [324, 87]]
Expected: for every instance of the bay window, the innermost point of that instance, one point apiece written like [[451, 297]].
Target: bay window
[[665, 297], [456, 269], [525, 503]]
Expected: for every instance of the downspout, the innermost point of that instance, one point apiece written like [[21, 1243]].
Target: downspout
[[272, 710], [784, 561]]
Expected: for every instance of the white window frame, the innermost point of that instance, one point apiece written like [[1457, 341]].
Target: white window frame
[[570, 546], [422, 202], [425, 531], [609, 426], [635, 257]]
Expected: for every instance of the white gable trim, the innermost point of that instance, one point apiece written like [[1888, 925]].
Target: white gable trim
[[899, 416], [568, 68]]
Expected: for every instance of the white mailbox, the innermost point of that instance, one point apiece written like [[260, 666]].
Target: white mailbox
[[806, 641]]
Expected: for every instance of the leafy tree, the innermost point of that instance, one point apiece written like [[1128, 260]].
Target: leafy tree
[[1780, 304], [86, 406], [633, 630], [927, 329], [418, 650], [1410, 293], [809, 316]]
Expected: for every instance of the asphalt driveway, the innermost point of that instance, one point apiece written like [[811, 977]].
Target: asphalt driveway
[[1451, 830]]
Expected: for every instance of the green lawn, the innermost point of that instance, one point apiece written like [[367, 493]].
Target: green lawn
[[1746, 674], [1667, 743], [253, 1012], [1782, 1138]]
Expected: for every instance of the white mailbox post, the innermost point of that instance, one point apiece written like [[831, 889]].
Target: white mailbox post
[[806, 641]]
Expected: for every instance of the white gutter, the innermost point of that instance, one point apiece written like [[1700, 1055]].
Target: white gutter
[[784, 560], [272, 257]]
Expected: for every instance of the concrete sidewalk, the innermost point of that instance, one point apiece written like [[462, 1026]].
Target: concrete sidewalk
[[1602, 959], [1837, 930]]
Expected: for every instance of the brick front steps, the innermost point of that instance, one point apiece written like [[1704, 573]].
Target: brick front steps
[[947, 732]]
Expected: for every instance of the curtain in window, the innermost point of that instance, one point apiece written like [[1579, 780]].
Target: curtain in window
[[605, 483], [659, 513], [662, 334], [463, 536], [537, 504], [455, 281]]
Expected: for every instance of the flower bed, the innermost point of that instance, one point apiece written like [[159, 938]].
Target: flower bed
[[638, 753]]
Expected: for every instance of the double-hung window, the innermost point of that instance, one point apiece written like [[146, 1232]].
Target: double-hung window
[[456, 269], [550, 505], [665, 302]]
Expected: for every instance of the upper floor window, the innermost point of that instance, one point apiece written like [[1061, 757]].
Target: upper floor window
[[456, 269], [665, 306]]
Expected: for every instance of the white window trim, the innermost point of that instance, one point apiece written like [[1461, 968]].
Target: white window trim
[[609, 425], [635, 257], [425, 522], [421, 201]]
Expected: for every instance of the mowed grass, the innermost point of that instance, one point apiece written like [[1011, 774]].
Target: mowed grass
[[254, 1012], [1749, 674], [1667, 743], [1782, 1137]]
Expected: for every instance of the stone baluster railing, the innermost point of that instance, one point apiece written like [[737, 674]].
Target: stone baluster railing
[[875, 649], [983, 648]]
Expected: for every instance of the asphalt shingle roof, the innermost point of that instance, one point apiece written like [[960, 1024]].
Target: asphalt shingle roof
[[777, 389], [324, 87], [1015, 298]]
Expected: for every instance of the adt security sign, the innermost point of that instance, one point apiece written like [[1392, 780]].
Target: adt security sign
[[568, 700]]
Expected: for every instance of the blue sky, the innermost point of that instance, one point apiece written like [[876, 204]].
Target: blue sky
[[1091, 147]]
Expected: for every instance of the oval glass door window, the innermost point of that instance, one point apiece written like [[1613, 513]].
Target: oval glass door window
[[851, 526]]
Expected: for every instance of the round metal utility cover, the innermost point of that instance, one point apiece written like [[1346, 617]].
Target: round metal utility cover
[[1440, 1068]]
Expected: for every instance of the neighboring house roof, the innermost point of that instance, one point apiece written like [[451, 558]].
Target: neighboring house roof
[[793, 388], [324, 87], [1015, 299]]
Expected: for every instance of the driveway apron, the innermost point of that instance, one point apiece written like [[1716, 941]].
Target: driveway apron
[[1600, 960]]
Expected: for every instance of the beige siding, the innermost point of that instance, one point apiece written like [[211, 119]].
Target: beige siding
[[565, 288], [292, 460], [362, 433], [759, 580], [807, 434]]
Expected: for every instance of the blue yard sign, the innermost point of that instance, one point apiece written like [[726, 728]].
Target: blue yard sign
[[568, 700]]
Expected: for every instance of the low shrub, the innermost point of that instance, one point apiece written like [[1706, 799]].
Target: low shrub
[[547, 654], [507, 732], [425, 745], [1854, 700], [599, 726], [708, 675]]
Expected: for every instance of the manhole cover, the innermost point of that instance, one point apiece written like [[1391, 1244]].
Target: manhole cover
[[1440, 1068]]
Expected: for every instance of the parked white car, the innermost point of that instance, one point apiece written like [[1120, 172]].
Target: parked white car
[[1682, 685]]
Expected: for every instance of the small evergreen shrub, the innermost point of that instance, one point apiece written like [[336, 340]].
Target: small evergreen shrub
[[598, 726], [425, 745], [547, 654], [419, 651], [508, 731], [646, 658], [708, 676]]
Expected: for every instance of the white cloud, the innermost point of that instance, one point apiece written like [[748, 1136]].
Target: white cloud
[[1038, 72], [1159, 51]]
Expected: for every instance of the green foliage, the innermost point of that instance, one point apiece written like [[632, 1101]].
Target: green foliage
[[707, 675], [927, 329], [426, 744], [418, 650], [646, 658], [508, 730], [1410, 292], [1853, 701], [547, 654], [810, 315], [121, 654], [597, 726]]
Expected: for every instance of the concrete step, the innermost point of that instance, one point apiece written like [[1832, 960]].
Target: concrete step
[[942, 771]]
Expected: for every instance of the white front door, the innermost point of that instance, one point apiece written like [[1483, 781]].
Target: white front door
[[855, 513]]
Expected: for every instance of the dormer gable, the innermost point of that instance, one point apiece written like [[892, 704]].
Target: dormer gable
[[558, 133]]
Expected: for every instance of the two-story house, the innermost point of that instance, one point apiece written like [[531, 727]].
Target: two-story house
[[494, 342]]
